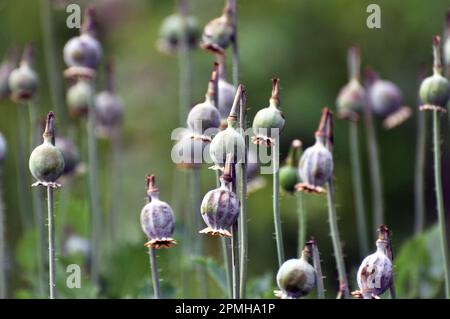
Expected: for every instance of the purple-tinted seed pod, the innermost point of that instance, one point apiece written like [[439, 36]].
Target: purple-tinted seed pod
[[220, 208], [157, 218], [6, 67], [109, 109], [227, 92], [46, 161], [316, 165], [84, 50], [385, 98], [191, 150], [296, 277], [269, 122], [70, 154], [3, 147], [78, 97], [173, 29], [375, 275], [205, 116], [435, 90], [24, 81], [218, 34]]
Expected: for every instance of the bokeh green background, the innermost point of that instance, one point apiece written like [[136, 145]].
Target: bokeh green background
[[303, 43]]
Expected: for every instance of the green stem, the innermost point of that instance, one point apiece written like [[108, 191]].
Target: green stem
[[3, 283], [236, 56], [185, 66], [301, 221], [337, 247], [419, 188], [361, 220], [96, 214], [276, 205], [235, 260], [440, 200], [51, 60], [51, 242], [318, 269], [115, 208], [375, 171], [155, 273]]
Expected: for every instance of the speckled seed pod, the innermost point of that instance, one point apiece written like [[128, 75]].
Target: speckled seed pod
[[3, 148], [205, 116], [172, 30], [228, 141], [269, 122], [435, 90], [375, 273], [219, 33], [78, 98], [109, 109], [220, 210], [157, 219], [23, 82], [316, 165], [296, 278], [385, 98], [70, 154], [46, 161]]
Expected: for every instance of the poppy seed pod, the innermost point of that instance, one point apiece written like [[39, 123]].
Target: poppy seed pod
[[227, 92], [316, 165], [269, 122], [220, 207], [173, 29], [205, 116], [84, 50], [384, 96], [6, 67], [109, 109], [191, 151], [157, 218], [435, 90], [70, 154], [375, 273], [296, 277], [46, 161], [288, 172], [23, 82], [3, 148], [78, 98], [219, 32]]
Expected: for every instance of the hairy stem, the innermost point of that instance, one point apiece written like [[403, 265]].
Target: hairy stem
[[361, 220], [155, 273], [301, 220], [440, 200], [235, 260], [337, 246], [51, 242], [276, 205], [318, 269], [419, 188]]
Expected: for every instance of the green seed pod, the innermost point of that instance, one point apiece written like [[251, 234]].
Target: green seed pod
[[3, 148], [205, 116], [46, 161], [191, 150], [84, 50], [269, 122], [78, 98], [219, 33], [228, 141], [288, 173], [70, 154], [157, 218], [435, 90], [173, 29], [296, 277], [23, 81]]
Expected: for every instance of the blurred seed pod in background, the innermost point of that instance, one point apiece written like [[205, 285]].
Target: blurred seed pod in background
[[70, 154], [173, 29], [24, 81], [288, 172], [3, 148], [219, 32], [6, 67], [78, 97]]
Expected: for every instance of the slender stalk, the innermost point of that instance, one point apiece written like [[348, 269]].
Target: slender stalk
[[115, 209], [51, 242], [3, 282], [243, 219], [235, 260], [301, 220], [318, 269], [361, 221], [155, 272], [375, 171], [185, 65], [96, 214], [51, 60], [337, 247], [439, 199], [276, 205], [236, 55]]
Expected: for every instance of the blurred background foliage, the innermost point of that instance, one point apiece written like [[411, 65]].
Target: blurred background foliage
[[302, 42]]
